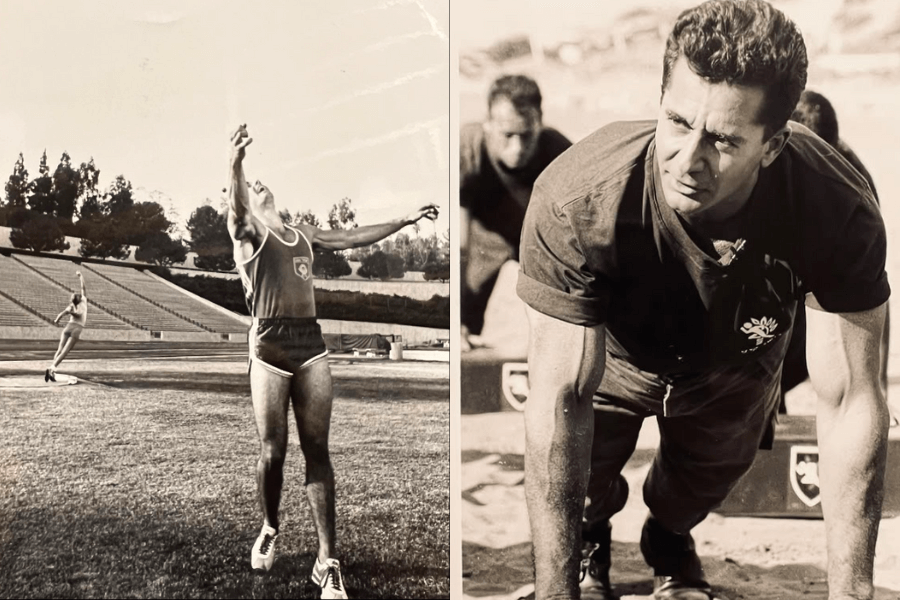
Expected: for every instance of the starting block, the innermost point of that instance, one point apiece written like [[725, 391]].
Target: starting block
[[491, 381], [784, 481]]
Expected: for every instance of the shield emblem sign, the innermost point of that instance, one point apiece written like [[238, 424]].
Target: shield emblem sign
[[514, 384], [301, 267], [804, 474]]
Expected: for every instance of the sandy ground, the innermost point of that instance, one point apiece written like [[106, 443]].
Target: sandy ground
[[749, 558]]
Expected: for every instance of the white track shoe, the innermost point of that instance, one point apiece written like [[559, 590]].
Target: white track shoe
[[263, 554], [327, 576]]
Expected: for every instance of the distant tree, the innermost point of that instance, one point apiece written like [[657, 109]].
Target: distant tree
[[307, 218], [119, 197], [159, 248], [143, 220], [342, 215], [39, 232], [105, 227], [40, 192], [210, 239], [396, 268], [101, 237], [17, 185], [88, 196], [380, 265], [65, 188], [16, 195], [329, 264], [437, 266]]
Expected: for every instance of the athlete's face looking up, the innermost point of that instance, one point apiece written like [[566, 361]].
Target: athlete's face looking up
[[261, 196], [710, 144], [512, 134]]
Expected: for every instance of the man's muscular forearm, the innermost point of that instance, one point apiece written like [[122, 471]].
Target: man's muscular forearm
[[853, 449]]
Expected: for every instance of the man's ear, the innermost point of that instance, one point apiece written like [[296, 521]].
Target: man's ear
[[775, 145]]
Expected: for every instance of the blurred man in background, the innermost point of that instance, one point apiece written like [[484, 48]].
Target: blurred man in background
[[499, 161]]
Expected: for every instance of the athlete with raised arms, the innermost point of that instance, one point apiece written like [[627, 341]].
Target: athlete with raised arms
[[77, 311], [287, 352]]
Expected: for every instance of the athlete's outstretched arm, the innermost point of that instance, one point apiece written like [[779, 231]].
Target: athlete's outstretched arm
[[81, 279], [565, 366], [240, 215], [343, 239], [842, 350]]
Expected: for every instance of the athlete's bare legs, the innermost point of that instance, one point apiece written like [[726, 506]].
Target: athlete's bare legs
[[312, 394], [270, 393], [66, 343], [311, 390]]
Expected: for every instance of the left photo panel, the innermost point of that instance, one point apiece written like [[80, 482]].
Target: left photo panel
[[225, 299]]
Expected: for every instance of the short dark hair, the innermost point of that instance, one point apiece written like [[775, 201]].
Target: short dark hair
[[816, 112], [521, 90], [744, 42]]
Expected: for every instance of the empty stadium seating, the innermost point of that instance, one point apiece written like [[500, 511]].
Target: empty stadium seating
[[172, 299], [102, 292], [45, 297], [13, 315]]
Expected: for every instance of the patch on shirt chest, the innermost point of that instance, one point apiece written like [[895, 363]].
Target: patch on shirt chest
[[301, 267]]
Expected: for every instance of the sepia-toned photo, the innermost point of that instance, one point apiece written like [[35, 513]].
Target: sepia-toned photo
[[224, 299], [677, 379]]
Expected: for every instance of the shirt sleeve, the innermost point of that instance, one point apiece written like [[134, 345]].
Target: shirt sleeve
[[554, 277], [853, 277]]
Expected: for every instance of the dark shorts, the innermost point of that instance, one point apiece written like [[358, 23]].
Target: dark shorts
[[73, 330], [284, 345]]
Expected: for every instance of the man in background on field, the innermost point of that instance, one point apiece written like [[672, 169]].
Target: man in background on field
[[499, 161]]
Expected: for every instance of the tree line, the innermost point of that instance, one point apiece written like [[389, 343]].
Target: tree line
[[43, 211]]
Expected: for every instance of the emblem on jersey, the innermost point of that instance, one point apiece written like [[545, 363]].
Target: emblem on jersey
[[514, 384], [301, 267], [760, 330], [804, 474]]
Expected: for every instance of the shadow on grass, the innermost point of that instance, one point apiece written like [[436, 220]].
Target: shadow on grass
[[127, 553]]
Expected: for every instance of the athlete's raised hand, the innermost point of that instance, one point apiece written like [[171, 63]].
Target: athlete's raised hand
[[240, 139], [429, 211]]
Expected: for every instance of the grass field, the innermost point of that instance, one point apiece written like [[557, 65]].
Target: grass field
[[142, 484]]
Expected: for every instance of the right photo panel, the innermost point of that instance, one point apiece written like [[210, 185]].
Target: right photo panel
[[675, 227]]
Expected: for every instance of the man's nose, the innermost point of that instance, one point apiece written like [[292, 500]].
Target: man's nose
[[515, 145], [691, 155]]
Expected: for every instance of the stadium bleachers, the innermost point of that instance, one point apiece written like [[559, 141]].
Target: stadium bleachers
[[102, 293], [45, 297], [13, 315], [161, 294]]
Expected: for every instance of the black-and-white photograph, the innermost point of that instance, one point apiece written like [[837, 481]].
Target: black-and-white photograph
[[224, 299], [677, 379]]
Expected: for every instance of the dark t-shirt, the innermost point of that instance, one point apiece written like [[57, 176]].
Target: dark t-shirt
[[600, 245], [497, 197]]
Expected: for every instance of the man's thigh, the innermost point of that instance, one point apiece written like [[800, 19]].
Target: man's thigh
[[269, 392], [312, 394]]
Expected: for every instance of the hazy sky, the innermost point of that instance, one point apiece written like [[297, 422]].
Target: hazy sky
[[343, 98]]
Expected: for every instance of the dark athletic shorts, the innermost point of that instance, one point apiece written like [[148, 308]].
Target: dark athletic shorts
[[284, 345]]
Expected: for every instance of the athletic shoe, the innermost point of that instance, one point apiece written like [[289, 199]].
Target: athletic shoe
[[263, 554], [677, 572], [52, 375], [327, 576], [595, 561], [46, 375]]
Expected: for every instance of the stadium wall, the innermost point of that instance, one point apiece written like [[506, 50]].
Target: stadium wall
[[126, 335], [412, 335]]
